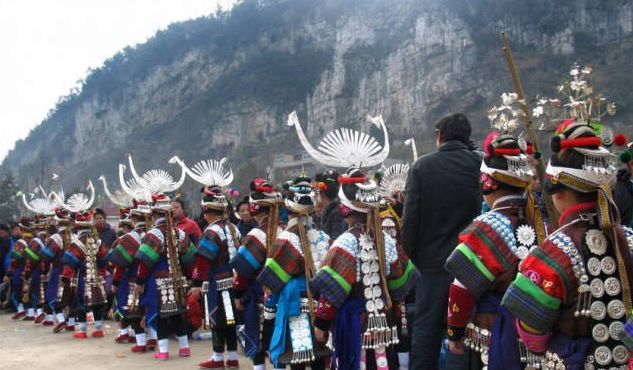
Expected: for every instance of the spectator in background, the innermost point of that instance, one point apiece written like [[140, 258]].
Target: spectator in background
[[106, 233], [442, 197], [16, 233], [184, 223], [5, 259], [246, 222], [5, 247], [328, 218], [202, 223]]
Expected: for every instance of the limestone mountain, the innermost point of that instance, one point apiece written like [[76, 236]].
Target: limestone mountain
[[223, 85]]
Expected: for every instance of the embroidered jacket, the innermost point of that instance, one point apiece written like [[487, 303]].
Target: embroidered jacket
[[545, 294], [250, 257], [486, 259], [154, 247], [287, 257], [340, 274], [53, 250], [17, 255], [122, 255], [33, 260], [74, 258], [216, 248]]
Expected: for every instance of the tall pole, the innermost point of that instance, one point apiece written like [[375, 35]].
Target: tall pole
[[529, 128]]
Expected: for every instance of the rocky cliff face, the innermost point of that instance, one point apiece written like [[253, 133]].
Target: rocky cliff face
[[223, 86]]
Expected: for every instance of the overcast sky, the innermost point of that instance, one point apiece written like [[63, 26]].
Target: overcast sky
[[46, 46]]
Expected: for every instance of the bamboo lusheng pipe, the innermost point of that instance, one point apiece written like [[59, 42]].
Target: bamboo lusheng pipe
[[271, 229], [540, 164]]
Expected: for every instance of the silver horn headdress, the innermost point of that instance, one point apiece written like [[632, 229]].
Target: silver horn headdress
[[214, 176], [156, 181], [414, 149], [40, 206], [208, 172], [345, 147], [78, 202], [120, 198]]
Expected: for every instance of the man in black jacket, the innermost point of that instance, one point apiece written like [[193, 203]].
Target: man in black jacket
[[623, 192], [442, 197]]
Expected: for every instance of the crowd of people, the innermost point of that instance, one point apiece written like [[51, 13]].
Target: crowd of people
[[354, 270]]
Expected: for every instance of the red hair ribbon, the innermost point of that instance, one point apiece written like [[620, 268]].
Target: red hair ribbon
[[506, 151], [351, 180], [581, 142]]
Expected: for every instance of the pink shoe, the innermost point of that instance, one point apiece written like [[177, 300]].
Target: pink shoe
[[184, 352], [163, 356]]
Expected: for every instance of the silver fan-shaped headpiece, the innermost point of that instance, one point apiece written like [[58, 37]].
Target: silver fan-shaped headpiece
[[345, 147], [156, 181], [209, 172], [40, 206], [120, 198], [78, 202], [394, 179]]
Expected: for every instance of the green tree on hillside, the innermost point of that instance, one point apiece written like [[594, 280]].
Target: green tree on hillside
[[9, 210]]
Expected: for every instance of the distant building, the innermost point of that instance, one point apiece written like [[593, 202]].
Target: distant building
[[287, 166]]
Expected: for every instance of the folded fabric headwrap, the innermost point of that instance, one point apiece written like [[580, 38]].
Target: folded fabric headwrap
[[608, 214]]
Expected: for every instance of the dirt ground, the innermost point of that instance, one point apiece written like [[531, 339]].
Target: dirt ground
[[24, 345]]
